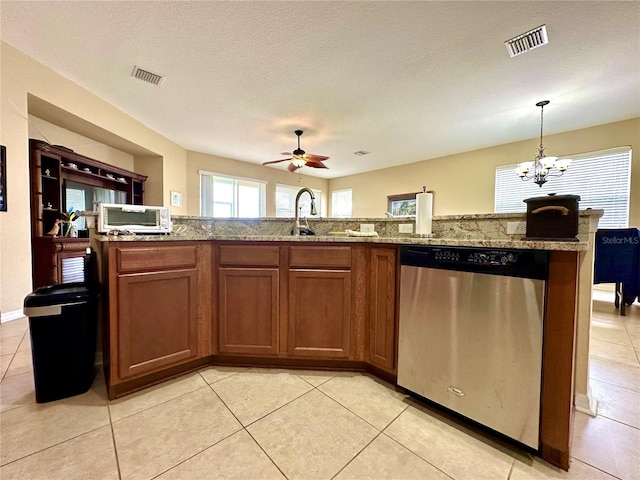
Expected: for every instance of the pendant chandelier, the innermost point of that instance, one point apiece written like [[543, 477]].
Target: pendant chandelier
[[542, 168]]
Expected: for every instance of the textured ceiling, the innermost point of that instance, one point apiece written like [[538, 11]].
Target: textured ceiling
[[406, 81]]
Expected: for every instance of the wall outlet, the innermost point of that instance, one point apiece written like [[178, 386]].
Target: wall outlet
[[367, 227], [405, 228], [516, 228]]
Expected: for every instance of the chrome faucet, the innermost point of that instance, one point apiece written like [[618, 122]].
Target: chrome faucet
[[296, 226]]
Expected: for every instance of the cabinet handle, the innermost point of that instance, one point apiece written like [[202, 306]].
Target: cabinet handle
[[563, 210]]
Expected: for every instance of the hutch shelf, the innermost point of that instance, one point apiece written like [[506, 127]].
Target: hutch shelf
[[55, 170]]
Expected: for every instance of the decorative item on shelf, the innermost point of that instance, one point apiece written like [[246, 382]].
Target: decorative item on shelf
[[47, 172], [87, 169], [72, 165], [539, 170], [109, 175], [71, 216], [49, 205], [55, 229]]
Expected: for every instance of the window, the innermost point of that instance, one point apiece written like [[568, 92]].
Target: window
[[601, 179], [76, 201], [341, 204], [222, 196], [286, 201]]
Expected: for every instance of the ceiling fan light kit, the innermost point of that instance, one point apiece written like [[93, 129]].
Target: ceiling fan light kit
[[299, 158]]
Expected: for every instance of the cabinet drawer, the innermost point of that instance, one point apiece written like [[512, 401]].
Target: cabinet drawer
[[249, 255], [320, 257], [156, 258]]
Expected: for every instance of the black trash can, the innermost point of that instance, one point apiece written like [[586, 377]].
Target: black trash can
[[63, 325]]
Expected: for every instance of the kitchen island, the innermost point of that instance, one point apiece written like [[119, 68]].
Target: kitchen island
[[239, 297]]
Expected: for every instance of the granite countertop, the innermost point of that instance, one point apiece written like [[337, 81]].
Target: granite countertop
[[405, 240], [475, 230]]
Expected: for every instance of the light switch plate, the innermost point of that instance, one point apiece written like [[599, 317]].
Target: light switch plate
[[516, 228], [405, 228], [367, 227]]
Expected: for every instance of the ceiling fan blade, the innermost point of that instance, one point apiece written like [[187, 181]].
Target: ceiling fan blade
[[292, 167], [276, 161], [317, 158], [316, 164], [288, 154]]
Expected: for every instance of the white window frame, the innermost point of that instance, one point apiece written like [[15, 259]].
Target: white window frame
[[335, 214], [305, 202], [237, 182], [602, 179]]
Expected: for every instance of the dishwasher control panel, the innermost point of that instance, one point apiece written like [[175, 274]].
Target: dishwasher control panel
[[521, 263], [493, 257]]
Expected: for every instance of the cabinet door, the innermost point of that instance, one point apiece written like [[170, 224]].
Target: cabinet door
[[248, 310], [382, 332], [157, 321], [319, 313]]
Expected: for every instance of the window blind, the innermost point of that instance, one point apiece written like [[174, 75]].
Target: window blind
[[602, 180]]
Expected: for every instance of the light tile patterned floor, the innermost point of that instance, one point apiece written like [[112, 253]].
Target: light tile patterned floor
[[239, 423]]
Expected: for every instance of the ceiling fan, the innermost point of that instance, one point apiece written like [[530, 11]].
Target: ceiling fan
[[299, 158]]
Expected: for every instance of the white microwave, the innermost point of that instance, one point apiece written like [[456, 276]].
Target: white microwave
[[134, 218]]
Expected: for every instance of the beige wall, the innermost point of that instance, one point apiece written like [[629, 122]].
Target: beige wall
[[464, 183], [152, 167], [22, 78], [56, 135], [225, 166]]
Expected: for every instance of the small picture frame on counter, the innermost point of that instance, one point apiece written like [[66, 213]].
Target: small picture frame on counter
[[176, 199]]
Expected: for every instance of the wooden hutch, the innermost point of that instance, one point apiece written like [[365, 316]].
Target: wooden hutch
[[59, 259]]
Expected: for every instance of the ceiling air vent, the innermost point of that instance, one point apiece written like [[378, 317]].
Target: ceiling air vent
[[147, 76], [527, 41]]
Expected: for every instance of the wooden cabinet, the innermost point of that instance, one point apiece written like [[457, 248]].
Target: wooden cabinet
[[174, 304], [248, 299], [59, 260], [382, 308], [285, 301], [159, 313], [61, 179], [157, 320], [320, 313]]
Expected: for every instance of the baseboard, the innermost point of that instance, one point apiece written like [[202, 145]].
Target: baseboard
[[605, 287], [9, 316], [586, 404]]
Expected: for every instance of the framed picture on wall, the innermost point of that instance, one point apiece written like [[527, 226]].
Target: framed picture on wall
[[176, 199], [3, 178]]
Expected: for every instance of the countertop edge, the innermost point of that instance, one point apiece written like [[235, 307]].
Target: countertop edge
[[408, 240]]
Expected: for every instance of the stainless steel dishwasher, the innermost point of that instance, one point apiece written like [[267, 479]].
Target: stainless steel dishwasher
[[470, 335]]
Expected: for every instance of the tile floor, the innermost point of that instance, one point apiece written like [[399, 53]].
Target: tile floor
[[245, 424]]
